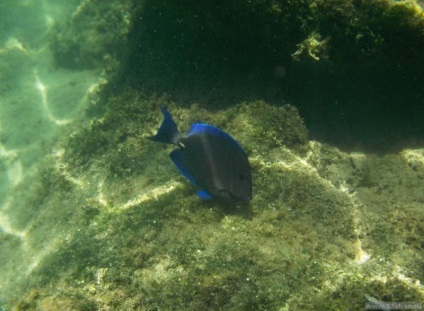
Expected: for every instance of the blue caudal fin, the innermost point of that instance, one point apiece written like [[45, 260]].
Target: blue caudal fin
[[168, 132], [176, 158]]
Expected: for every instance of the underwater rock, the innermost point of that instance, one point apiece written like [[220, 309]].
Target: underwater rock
[[95, 35]]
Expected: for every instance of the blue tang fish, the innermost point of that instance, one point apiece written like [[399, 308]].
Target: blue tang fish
[[209, 158]]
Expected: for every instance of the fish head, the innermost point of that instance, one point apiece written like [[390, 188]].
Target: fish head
[[240, 185]]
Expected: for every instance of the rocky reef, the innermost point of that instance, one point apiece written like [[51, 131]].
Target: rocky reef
[[336, 218]]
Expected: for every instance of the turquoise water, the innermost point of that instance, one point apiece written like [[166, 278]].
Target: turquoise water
[[325, 98]]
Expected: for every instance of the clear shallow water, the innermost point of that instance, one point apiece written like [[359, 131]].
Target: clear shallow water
[[40, 105], [92, 216]]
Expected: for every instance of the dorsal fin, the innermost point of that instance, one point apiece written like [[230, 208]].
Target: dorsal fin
[[202, 128]]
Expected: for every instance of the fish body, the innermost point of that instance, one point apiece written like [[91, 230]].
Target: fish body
[[209, 158]]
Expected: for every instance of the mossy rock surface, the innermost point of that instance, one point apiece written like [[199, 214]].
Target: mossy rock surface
[[108, 222], [316, 236]]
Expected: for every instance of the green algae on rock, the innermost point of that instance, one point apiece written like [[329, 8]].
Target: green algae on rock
[[149, 243], [107, 224], [94, 36]]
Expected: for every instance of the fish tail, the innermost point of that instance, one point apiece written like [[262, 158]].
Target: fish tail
[[168, 132]]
